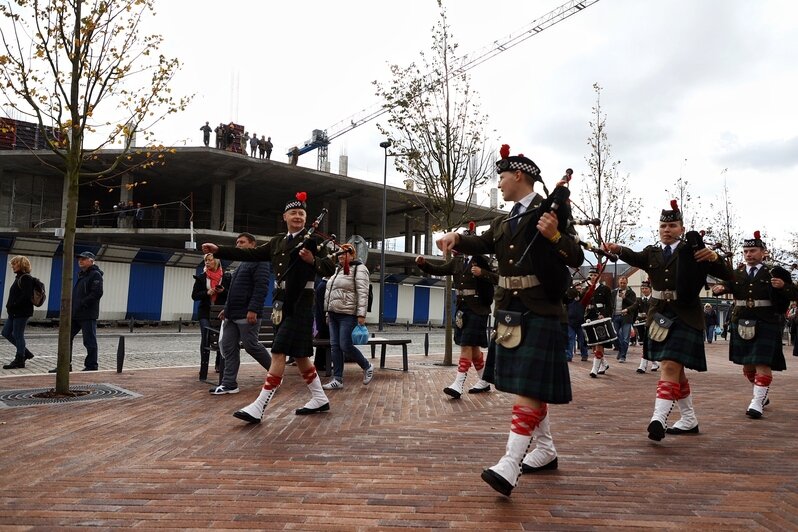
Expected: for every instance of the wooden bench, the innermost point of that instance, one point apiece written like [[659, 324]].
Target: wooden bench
[[266, 338]]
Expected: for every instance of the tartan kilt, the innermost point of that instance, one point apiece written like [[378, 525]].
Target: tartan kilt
[[683, 344], [764, 348], [474, 331], [294, 336], [537, 368]]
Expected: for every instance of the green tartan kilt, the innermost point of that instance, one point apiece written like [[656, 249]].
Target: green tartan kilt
[[474, 331], [764, 348], [683, 344], [537, 368], [294, 335]]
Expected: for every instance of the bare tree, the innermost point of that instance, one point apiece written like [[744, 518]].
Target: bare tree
[[606, 194], [688, 204], [438, 134], [65, 64], [724, 228]]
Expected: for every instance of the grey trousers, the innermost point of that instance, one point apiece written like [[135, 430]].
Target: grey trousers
[[236, 331]]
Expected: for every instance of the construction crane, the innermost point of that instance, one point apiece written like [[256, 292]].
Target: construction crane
[[320, 139]]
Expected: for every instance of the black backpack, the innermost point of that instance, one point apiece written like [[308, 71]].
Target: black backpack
[[39, 293]]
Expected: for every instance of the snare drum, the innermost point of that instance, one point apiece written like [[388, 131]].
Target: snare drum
[[599, 332], [639, 324]]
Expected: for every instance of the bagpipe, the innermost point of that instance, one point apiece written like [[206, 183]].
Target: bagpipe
[[553, 274], [692, 277]]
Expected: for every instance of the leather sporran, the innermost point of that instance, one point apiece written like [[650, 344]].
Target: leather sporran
[[458, 319], [659, 328], [746, 329], [277, 313], [509, 331]]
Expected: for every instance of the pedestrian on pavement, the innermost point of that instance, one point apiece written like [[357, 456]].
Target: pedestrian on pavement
[[210, 288], [241, 317], [19, 306], [345, 300], [86, 295], [529, 346], [710, 322], [623, 315], [297, 257]]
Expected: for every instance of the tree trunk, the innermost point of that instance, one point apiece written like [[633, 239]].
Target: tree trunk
[[72, 176]]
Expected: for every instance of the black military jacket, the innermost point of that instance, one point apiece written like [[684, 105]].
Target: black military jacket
[[508, 246], [663, 277], [459, 267], [752, 290], [601, 296]]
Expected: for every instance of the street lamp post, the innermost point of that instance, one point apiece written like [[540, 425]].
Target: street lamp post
[[384, 145]]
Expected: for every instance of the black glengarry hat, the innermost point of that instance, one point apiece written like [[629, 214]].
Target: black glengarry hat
[[298, 203], [516, 162], [755, 242], [672, 215]]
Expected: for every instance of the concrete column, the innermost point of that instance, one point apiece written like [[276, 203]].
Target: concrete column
[[408, 234], [342, 206], [216, 206], [230, 205], [125, 193], [427, 236], [417, 243], [325, 224]]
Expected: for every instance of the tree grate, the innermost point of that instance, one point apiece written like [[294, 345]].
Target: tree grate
[[97, 392]]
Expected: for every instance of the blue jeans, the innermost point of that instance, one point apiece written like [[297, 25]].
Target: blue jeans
[[710, 333], [341, 326], [623, 330], [576, 337], [89, 330], [14, 332]]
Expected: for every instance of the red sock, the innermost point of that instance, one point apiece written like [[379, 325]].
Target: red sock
[[272, 382], [749, 374], [309, 375], [684, 389], [463, 365], [763, 380], [668, 390], [479, 363], [526, 419]]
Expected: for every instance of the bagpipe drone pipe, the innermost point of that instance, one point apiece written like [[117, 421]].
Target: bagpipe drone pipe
[[692, 275]]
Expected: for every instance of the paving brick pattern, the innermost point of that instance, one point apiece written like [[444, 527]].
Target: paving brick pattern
[[397, 453]]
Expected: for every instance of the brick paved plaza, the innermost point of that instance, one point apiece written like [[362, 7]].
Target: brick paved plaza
[[395, 454]]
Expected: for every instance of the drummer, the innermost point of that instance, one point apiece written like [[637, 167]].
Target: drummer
[[640, 326], [598, 305], [675, 320]]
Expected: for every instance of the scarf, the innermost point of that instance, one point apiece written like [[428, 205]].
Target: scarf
[[212, 280]]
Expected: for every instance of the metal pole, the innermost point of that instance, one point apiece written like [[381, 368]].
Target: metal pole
[[384, 145]]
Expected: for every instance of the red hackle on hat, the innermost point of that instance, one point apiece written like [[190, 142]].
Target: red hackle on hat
[[757, 235], [674, 205], [504, 151], [302, 196], [472, 227]]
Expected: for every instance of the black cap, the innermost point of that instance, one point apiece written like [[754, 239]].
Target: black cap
[[88, 255]]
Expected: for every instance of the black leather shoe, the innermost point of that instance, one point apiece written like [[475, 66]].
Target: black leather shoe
[[86, 369], [548, 467], [240, 414], [451, 392], [14, 364], [641, 370], [28, 355], [497, 482], [753, 414], [656, 431], [477, 390], [676, 430], [55, 370], [305, 411]]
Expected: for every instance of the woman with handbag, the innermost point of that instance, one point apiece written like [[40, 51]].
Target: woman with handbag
[[20, 309], [345, 301], [209, 289]]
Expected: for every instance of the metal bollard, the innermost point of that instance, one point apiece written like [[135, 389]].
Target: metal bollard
[[120, 354], [407, 325], [426, 344], [130, 325], [179, 325]]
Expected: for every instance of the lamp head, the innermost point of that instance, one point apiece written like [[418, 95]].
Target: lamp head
[[385, 144]]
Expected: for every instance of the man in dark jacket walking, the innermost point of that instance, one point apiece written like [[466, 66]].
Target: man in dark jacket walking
[[242, 315], [86, 296]]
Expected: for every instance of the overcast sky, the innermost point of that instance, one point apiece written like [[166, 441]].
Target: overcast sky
[[690, 87]]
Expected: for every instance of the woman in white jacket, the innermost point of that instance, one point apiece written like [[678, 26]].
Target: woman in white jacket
[[345, 301]]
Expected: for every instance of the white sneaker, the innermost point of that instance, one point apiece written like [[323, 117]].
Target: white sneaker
[[368, 374], [333, 385]]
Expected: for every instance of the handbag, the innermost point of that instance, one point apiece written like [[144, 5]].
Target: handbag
[[360, 335]]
